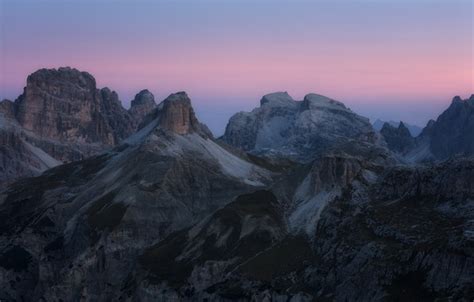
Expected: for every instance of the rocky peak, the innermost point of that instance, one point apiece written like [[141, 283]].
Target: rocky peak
[[277, 99], [398, 139], [144, 97], [457, 99], [300, 130], [176, 114], [142, 105], [317, 101], [7, 109], [452, 133], [64, 104]]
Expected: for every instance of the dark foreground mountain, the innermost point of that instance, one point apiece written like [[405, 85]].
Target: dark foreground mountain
[[171, 215], [62, 114]]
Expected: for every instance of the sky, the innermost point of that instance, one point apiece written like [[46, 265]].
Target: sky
[[388, 59]]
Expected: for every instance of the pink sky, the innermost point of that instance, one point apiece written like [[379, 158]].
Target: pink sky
[[392, 59]]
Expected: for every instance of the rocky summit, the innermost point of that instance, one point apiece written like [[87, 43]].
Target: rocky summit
[[63, 114], [142, 105], [298, 201], [299, 130]]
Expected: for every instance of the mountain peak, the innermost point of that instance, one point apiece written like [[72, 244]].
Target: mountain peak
[[457, 99], [176, 114], [143, 97], [277, 99], [46, 76], [142, 105]]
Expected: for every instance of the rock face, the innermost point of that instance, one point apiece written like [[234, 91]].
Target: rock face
[[398, 139], [453, 131], [177, 115], [450, 135], [299, 130], [66, 105], [142, 105], [63, 113]]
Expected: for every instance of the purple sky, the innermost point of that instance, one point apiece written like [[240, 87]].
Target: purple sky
[[384, 59]]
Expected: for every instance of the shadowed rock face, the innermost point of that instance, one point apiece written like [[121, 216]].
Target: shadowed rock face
[[398, 139], [453, 131], [142, 105], [7, 109], [450, 135], [299, 130]]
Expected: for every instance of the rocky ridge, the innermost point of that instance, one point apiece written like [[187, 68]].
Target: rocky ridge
[[63, 114]]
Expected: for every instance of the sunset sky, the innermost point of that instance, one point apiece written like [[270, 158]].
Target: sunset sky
[[384, 59]]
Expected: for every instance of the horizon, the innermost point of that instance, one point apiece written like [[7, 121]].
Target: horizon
[[390, 60]]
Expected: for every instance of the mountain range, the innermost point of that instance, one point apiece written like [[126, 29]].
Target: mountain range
[[299, 200]]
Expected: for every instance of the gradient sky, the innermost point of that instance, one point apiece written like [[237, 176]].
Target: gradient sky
[[389, 59]]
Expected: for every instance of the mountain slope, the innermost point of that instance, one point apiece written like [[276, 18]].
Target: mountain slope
[[396, 233], [81, 226], [299, 130]]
